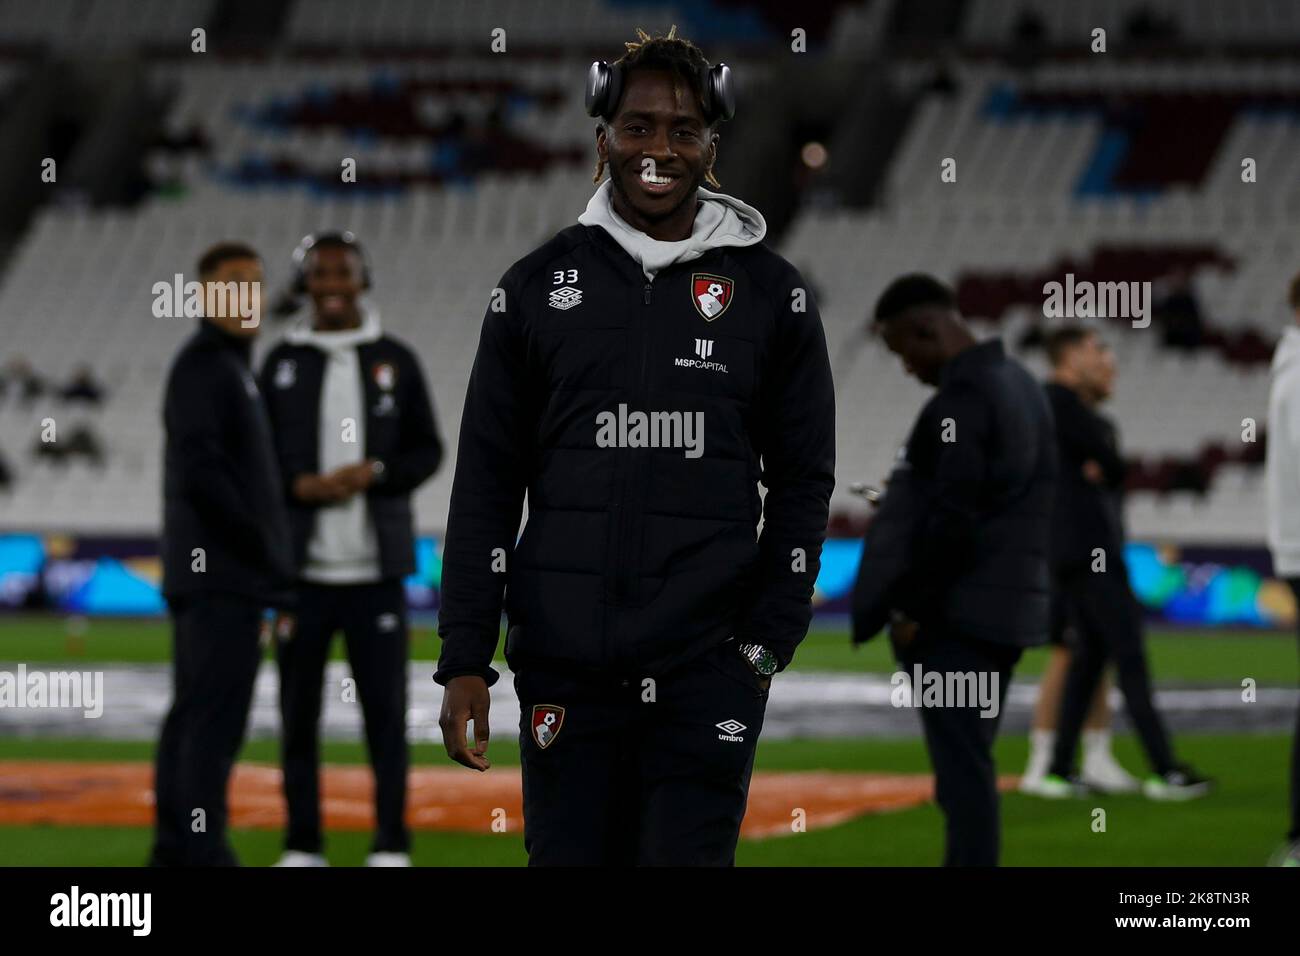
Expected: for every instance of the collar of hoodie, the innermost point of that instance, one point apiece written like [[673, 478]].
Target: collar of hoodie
[[720, 220], [303, 333]]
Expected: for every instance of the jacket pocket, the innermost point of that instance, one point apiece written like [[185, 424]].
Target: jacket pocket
[[726, 659]]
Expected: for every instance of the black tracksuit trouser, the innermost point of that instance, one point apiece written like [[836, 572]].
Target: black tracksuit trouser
[[1109, 628], [622, 771], [215, 655], [372, 618], [960, 741]]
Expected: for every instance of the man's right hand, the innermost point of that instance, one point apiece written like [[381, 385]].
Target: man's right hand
[[902, 632], [464, 699], [320, 489]]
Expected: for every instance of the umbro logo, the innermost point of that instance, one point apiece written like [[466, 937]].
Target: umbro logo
[[731, 731], [565, 298]]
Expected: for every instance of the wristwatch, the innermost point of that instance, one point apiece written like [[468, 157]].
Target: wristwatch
[[760, 659]]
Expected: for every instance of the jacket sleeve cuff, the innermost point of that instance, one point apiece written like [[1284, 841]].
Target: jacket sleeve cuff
[[467, 653], [445, 675]]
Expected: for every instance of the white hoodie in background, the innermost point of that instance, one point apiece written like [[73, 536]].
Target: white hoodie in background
[[1283, 456], [343, 548], [721, 220]]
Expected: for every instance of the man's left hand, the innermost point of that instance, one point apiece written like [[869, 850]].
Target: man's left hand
[[356, 477]]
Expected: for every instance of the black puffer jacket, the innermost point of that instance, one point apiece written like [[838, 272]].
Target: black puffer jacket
[[401, 431], [960, 543], [224, 523], [635, 559]]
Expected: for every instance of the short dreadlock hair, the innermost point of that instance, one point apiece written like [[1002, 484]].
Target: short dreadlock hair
[[672, 54]]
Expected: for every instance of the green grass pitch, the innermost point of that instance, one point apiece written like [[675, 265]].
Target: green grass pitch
[[1239, 825], [1210, 657]]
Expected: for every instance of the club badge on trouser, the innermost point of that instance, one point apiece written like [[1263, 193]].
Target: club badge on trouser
[[275, 626], [710, 294], [547, 721]]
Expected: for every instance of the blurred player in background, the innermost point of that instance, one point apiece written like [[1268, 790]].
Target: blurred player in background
[[956, 556], [356, 435], [226, 556], [1283, 475], [1083, 370], [647, 616], [1090, 577]]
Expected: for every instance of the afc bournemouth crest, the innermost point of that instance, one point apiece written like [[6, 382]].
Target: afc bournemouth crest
[[385, 376], [710, 294], [286, 373], [547, 721]]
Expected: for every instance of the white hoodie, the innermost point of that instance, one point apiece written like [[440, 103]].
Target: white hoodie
[[721, 220], [1283, 457], [343, 548]]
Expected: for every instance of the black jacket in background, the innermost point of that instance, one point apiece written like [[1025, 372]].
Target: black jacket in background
[[1087, 515], [221, 486], [637, 559], [960, 542], [400, 431]]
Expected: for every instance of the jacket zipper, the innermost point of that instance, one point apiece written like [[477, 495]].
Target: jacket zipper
[[626, 576], [629, 576]]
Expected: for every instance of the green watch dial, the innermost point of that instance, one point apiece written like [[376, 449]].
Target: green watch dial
[[760, 658]]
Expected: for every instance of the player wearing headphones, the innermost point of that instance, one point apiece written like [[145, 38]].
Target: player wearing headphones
[[642, 372], [355, 433]]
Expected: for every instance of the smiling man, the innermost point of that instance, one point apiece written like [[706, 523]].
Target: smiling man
[[646, 613], [356, 435]]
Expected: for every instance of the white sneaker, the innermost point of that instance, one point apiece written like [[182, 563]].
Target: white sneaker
[[1032, 785], [1103, 773], [1181, 783], [388, 859], [1041, 743], [1053, 787], [299, 858], [1288, 854]]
